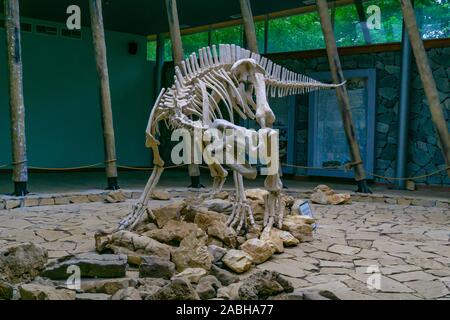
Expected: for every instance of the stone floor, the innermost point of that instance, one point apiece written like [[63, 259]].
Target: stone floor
[[407, 248]]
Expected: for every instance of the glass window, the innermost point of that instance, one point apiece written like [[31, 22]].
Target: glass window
[[347, 28], [193, 42], [391, 21], [151, 50], [433, 18], [168, 50], [295, 33], [229, 35], [259, 26]]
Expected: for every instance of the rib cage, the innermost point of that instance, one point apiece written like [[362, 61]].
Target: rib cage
[[211, 69]]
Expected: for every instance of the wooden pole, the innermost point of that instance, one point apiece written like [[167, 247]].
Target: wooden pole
[[175, 33], [429, 85], [98, 35], [178, 55], [249, 25], [362, 21], [342, 96], [19, 152]]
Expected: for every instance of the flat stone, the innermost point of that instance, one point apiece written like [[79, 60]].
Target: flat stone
[[93, 296], [237, 260], [106, 286], [340, 249], [156, 267], [386, 284], [193, 275], [51, 235], [429, 289], [12, 204], [160, 195], [225, 277], [41, 292], [91, 266], [127, 294], [290, 269], [410, 276]]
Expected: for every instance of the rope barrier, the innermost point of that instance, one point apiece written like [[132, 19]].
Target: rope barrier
[[345, 167]]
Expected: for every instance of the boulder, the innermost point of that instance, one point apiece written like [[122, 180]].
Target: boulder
[[166, 213], [173, 232], [22, 262], [216, 253], [193, 275], [219, 230], [41, 292], [299, 226], [274, 240], [91, 265], [207, 287], [160, 195], [218, 205], [325, 195], [6, 291], [93, 296], [288, 239], [156, 267], [178, 289], [106, 286], [230, 292], [115, 197], [224, 276], [237, 260], [140, 244], [259, 250], [264, 284], [256, 194], [127, 294], [192, 252]]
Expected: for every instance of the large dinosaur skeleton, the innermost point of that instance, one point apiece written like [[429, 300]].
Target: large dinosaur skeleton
[[233, 76]]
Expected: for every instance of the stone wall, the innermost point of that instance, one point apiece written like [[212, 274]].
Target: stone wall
[[424, 155]]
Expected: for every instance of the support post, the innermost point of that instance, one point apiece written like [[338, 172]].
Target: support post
[[429, 84], [98, 36], [342, 96], [17, 107], [403, 110], [362, 21], [249, 26], [159, 64], [178, 55]]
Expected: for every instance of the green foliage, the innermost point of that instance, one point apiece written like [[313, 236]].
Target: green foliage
[[303, 32]]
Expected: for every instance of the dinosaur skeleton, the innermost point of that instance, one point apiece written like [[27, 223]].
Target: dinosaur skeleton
[[233, 76]]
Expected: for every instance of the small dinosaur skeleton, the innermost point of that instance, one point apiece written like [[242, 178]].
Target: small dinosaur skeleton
[[233, 76]]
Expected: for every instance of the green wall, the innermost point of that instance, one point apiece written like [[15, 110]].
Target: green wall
[[63, 122]]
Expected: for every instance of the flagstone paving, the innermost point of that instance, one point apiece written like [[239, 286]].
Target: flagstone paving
[[402, 251]]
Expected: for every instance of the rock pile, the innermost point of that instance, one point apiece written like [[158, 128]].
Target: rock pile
[[187, 252]]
